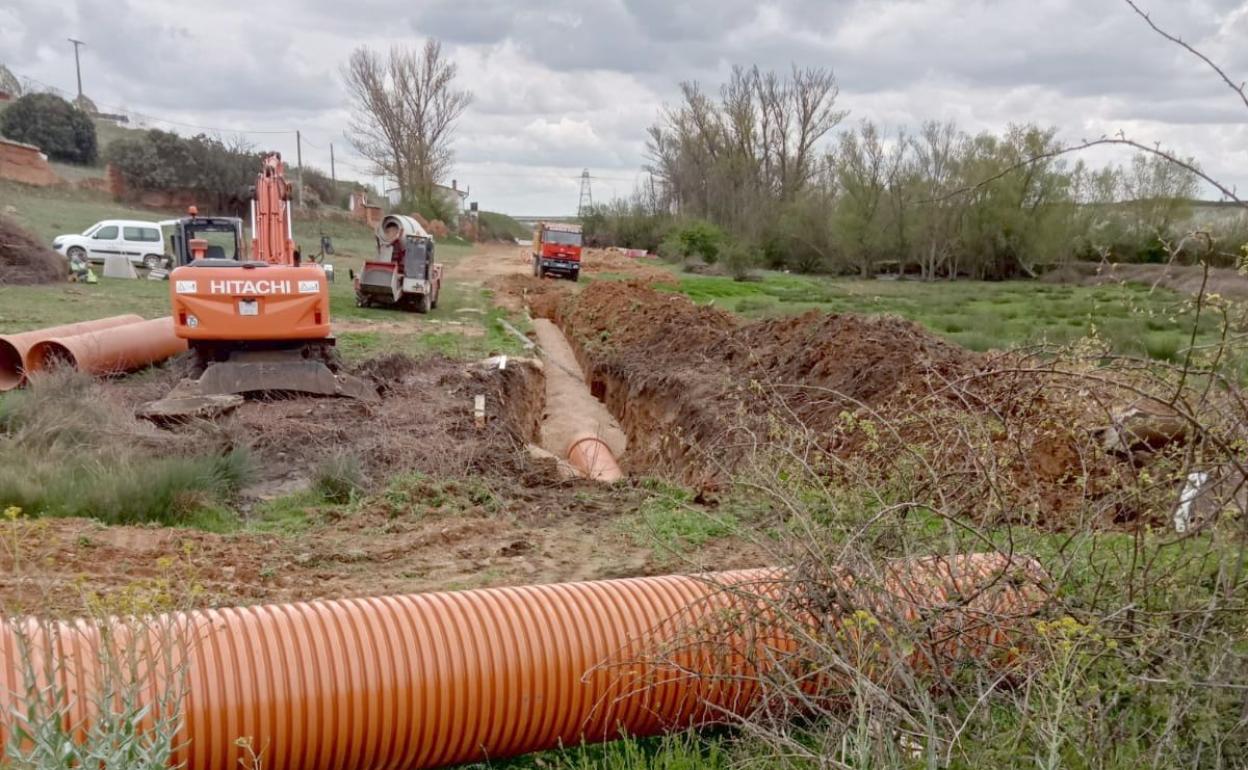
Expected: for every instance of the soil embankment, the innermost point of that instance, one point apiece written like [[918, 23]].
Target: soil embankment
[[705, 398]]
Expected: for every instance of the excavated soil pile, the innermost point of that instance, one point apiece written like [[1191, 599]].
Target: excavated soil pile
[[424, 421], [598, 261], [24, 261], [447, 503], [704, 398]]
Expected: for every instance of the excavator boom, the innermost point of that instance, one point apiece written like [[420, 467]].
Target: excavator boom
[[271, 225]]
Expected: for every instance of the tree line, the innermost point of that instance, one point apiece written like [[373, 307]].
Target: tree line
[[220, 171], [766, 171]]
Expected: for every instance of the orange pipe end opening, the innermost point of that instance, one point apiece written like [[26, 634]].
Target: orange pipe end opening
[[48, 355], [12, 370], [591, 456]]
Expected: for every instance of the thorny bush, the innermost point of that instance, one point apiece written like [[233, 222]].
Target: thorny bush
[[1124, 480]]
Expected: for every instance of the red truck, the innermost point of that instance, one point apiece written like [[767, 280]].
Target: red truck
[[557, 250]]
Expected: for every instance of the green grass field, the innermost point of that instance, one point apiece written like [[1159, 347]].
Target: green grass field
[[1132, 319]]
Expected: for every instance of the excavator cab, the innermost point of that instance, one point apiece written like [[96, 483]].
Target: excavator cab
[[195, 238]]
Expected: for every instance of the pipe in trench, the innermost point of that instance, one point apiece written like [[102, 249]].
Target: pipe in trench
[[592, 458], [109, 351], [435, 679], [14, 348]]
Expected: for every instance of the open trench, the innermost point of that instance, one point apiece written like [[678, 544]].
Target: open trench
[[575, 426]]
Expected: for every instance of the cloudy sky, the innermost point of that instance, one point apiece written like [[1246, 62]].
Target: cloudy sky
[[562, 85]]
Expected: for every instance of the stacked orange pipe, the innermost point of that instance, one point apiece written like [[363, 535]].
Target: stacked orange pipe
[[442, 678], [109, 351], [14, 348]]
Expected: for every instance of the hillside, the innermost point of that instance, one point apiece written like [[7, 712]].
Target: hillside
[[502, 227]]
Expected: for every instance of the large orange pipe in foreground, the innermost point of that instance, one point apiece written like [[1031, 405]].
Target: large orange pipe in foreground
[[109, 351], [15, 347], [435, 679]]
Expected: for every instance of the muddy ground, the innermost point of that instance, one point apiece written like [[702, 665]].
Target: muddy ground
[[700, 398], [446, 503]]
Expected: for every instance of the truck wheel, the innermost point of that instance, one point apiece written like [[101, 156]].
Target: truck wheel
[[537, 270], [576, 275], [422, 304], [433, 300], [153, 261]]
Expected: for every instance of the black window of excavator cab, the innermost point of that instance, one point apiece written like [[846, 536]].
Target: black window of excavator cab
[[222, 240]]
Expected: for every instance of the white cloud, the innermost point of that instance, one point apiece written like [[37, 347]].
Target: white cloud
[[562, 85]]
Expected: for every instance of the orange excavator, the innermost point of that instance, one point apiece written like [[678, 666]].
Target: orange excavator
[[257, 323]]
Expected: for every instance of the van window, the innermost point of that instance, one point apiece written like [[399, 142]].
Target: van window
[[106, 233], [142, 234]]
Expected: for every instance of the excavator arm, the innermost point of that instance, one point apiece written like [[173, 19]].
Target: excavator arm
[[272, 227]]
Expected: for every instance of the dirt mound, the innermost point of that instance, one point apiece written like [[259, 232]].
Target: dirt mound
[[704, 398], [632, 314], [600, 261], [424, 421], [24, 261], [861, 359]]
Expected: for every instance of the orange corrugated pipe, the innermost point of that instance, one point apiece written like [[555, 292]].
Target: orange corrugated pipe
[[15, 347], [109, 351], [591, 456], [436, 679]]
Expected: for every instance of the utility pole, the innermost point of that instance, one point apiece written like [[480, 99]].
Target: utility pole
[[77, 65], [333, 175], [587, 196], [299, 161]]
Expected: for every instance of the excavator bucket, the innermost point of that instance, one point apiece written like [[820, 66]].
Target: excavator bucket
[[223, 385], [260, 377]]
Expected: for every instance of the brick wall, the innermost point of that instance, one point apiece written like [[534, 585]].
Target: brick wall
[[26, 164]]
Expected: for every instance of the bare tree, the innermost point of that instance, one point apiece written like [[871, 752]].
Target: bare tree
[[405, 108], [727, 160]]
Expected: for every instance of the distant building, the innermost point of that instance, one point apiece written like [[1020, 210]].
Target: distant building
[[361, 209], [452, 197]]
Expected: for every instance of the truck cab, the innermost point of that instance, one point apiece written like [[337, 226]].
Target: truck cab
[[557, 250]]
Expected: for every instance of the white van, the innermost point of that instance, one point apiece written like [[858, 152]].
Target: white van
[[140, 241]]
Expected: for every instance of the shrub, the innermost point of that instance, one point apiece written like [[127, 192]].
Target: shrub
[[338, 478], [137, 706], [696, 238], [160, 160], [62, 131], [740, 259]]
